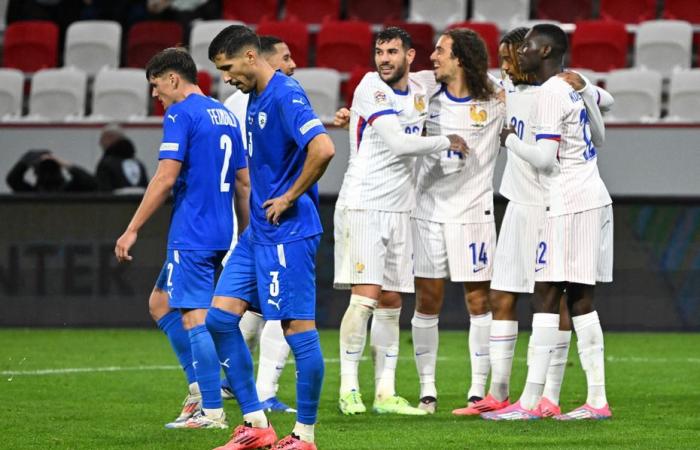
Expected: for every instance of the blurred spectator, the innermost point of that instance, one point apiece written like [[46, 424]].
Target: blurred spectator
[[48, 171], [118, 167]]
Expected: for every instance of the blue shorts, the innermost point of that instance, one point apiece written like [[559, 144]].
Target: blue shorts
[[188, 276], [277, 279]]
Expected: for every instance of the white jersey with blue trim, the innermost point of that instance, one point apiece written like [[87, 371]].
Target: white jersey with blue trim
[[376, 178], [448, 191], [574, 183], [520, 182]]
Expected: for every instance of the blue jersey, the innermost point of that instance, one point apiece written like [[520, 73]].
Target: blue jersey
[[280, 125], [205, 137]]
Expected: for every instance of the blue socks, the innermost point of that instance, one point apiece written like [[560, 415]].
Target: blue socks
[[306, 347], [206, 366], [235, 357], [171, 324]]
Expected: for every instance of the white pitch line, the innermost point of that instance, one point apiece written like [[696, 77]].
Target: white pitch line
[[72, 370]]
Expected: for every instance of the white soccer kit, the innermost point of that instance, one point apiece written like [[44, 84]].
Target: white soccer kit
[[578, 231], [377, 180], [523, 222], [453, 224]]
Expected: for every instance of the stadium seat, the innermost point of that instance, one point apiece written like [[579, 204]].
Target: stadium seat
[[688, 10], [599, 45], [31, 45], [312, 11], [11, 90], [203, 32], [663, 45], [626, 11], [249, 12], [450, 11], [344, 45], [120, 94], [348, 88], [566, 12], [92, 45], [423, 37], [507, 14], [204, 81], [373, 11], [684, 96], [58, 94], [147, 38], [294, 33], [489, 33], [322, 87], [637, 95]]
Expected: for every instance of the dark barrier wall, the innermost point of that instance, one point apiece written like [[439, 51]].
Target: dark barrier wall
[[57, 267]]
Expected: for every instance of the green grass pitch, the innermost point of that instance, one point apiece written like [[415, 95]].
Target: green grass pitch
[[125, 387]]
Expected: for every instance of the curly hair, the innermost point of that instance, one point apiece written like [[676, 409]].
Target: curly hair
[[513, 40], [470, 50]]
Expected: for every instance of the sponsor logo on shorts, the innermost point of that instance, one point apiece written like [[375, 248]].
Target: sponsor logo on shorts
[[276, 304]]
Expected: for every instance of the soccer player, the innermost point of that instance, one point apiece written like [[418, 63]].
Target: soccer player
[[200, 151], [373, 245], [575, 251], [454, 231], [273, 266], [274, 349]]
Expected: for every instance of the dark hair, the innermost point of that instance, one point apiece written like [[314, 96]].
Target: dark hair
[[233, 39], [391, 33], [176, 59], [513, 40], [556, 36], [267, 44], [470, 50]]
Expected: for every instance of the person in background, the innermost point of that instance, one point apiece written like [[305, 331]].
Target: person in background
[[118, 168], [50, 174]]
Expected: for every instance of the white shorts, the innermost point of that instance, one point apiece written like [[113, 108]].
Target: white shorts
[[373, 247], [514, 263], [462, 252], [577, 248]]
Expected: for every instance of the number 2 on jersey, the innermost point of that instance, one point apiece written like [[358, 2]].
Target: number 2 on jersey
[[227, 146]]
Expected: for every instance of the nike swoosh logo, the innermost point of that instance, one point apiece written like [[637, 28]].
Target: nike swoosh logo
[[423, 353], [478, 270], [538, 269], [481, 354], [432, 116], [391, 356], [352, 353]]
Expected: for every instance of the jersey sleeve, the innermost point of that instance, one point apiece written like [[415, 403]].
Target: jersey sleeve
[[300, 119], [175, 144], [373, 99], [239, 154], [547, 115]]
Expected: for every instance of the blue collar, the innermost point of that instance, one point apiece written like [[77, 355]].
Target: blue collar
[[453, 98]]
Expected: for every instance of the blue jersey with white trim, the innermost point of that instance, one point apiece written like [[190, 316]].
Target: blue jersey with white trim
[[204, 136], [281, 123]]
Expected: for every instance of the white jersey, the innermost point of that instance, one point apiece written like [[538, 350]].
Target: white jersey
[[450, 192], [520, 182], [376, 178], [237, 103], [574, 184]]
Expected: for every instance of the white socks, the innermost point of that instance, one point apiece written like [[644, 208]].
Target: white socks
[[274, 351], [589, 340], [305, 432], [557, 366], [384, 340], [251, 326], [479, 331], [353, 335], [256, 419], [545, 334], [425, 347], [504, 334]]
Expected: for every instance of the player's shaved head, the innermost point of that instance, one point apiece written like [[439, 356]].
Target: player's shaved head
[[231, 40], [555, 38]]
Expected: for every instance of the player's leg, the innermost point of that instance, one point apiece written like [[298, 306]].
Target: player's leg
[[476, 296], [429, 299], [549, 404], [274, 351], [252, 324]]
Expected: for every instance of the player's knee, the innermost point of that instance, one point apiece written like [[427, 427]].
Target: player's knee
[[220, 321], [390, 300], [478, 301], [158, 304], [502, 305]]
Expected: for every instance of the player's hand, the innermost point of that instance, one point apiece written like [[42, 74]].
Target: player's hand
[[575, 80], [275, 207], [458, 144], [505, 133], [342, 118], [124, 244]]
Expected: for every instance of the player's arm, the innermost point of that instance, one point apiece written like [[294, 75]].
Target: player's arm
[[242, 198], [542, 155], [157, 192], [402, 144], [319, 153]]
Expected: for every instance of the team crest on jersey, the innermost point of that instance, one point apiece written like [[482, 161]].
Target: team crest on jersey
[[478, 116], [419, 102], [379, 97], [262, 119]]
